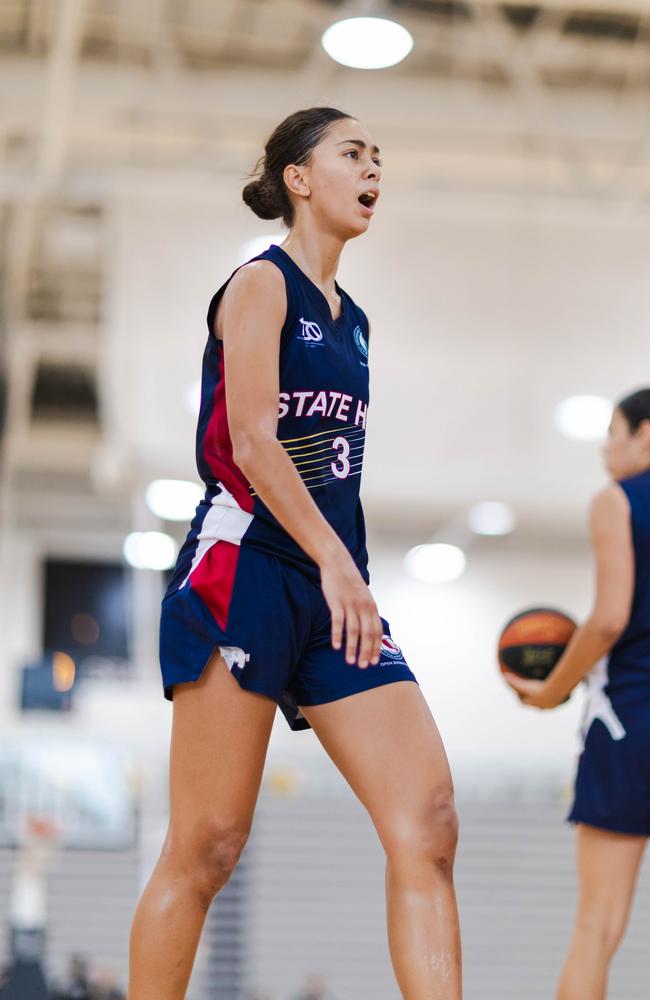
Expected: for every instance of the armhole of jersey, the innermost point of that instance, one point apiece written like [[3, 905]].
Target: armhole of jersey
[[212, 309], [216, 299], [365, 324]]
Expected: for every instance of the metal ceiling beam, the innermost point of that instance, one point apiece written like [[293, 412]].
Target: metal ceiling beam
[[61, 75], [634, 8]]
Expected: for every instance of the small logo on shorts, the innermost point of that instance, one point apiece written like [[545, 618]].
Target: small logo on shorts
[[361, 341], [390, 648], [311, 333]]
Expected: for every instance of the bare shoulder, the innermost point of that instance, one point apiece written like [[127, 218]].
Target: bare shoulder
[[259, 281], [609, 507], [256, 287]]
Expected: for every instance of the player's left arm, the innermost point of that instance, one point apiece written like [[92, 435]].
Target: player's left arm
[[611, 539]]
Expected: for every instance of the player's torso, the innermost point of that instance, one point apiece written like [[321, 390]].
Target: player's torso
[[323, 403], [323, 399], [322, 412], [629, 660]]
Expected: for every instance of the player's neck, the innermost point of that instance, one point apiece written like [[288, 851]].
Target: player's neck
[[317, 254]]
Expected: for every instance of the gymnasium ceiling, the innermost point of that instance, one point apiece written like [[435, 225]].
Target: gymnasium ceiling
[[467, 38], [87, 85], [548, 99]]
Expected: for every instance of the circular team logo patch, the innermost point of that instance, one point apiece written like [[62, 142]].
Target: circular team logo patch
[[390, 648], [361, 341]]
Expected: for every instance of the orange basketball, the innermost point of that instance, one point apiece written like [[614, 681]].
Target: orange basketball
[[533, 641]]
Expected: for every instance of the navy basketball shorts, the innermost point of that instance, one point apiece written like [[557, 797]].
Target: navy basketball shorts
[[612, 790], [272, 625]]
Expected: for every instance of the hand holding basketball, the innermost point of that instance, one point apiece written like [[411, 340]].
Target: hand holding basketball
[[535, 694], [530, 647]]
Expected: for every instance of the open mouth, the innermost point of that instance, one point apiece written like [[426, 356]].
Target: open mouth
[[368, 199]]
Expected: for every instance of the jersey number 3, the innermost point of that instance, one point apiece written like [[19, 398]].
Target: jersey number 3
[[341, 468]]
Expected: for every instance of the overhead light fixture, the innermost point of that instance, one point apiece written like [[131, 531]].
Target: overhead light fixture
[[435, 563], [492, 517], [173, 499], [367, 42], [583, 418], [258, 244], [149, 550]]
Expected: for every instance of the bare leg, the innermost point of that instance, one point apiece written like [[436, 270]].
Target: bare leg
[[220, 736], [386, 744], [608, 864]]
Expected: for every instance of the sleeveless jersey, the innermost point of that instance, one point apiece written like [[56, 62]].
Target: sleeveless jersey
[[628, 684], [322, 410]]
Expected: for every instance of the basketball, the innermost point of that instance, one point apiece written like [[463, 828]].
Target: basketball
[[533, 641]]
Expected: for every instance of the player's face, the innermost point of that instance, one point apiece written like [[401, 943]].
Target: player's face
[[625, 451], [344, 168]]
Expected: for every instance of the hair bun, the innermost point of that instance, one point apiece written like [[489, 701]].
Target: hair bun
[[260, 196], [292, 142]]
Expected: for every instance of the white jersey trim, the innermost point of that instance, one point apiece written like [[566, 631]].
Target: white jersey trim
[[225, 521], [598, 705]]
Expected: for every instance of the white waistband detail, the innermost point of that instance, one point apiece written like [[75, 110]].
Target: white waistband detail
[[598, 705], [225, 521]]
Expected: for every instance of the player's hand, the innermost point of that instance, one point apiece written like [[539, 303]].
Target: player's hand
[[533, 693], [353, 610]]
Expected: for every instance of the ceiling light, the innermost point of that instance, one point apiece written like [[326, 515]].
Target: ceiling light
[[491, 518], [149, 550], [367, 42], [583, 418], [435, 563], [173, 499]]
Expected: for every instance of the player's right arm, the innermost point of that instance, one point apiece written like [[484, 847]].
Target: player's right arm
[[249, 320], [611, 538]]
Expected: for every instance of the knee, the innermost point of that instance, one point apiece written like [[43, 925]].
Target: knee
[[208, 855], [429, 835], [605, 926]]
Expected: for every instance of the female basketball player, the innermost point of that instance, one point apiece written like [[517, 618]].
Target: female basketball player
[[612, 649], [270, 603]]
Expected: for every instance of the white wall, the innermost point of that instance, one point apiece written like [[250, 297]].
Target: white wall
[[484, 312]]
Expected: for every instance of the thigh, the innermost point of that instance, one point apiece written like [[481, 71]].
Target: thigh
[[608, 865], [386, 744], [220, 735], [323, 674]]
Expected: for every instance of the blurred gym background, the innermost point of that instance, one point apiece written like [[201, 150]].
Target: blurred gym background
[[506, 278]]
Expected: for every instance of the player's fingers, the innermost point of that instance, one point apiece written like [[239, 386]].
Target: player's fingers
[[377, 637], [337, 627], [367, 639], [351, 635], [518, 684]]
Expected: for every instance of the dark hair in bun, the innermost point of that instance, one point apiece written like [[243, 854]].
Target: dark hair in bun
[[293, 141]]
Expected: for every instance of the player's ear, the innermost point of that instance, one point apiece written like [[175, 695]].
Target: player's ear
[[296, 181]]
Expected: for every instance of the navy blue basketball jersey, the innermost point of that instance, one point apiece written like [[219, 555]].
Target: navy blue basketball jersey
[[629, 660], [322, 412], [613, 780]]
